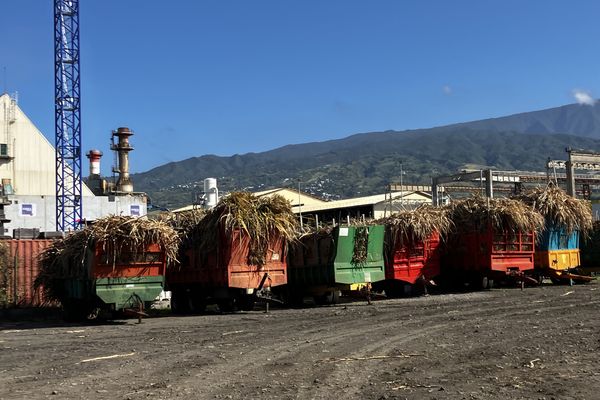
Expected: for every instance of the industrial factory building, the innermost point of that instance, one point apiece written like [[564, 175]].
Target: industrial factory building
[[375, 206], [28, 177]]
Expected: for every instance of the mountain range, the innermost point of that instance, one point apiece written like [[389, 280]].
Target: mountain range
[[366, 163]]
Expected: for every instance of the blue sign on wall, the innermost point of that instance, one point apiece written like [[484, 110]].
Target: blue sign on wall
[[27, 210], [134, 210]]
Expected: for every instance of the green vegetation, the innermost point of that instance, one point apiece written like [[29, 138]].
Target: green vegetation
[[358, 165], [365, 163]]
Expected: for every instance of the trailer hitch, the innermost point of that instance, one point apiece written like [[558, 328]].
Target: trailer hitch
[[521, 277], [264, 293], [570, 276], [136, 308]]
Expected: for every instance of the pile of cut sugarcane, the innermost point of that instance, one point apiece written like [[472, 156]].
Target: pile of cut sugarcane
[[559, 209], [418, 224], [510, 215], [260, 219]]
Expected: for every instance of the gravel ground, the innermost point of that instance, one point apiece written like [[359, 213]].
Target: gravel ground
[[540, 343]]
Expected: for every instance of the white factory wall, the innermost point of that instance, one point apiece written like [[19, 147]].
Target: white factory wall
[[31, 166], [40, 211]]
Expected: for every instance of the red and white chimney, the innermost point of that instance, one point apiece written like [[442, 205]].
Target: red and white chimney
[[94, 156]]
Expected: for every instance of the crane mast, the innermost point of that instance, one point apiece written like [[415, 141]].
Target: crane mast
[[67, 115]]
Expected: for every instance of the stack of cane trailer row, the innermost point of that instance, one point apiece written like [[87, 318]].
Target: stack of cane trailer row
[[224, 275], [323, 264]]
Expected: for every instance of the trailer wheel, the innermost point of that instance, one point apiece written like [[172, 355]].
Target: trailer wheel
[[197, 303], [294, 298], [393, 290], [556, 281], [540, 279], [76, 310], [226, 305], [330, 297], [485, 282], [246, 302], [179, 302]]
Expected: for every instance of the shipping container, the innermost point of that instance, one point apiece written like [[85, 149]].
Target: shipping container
[[322, 265], [224, 276], [411, 265], [480, 258], [20, 267]]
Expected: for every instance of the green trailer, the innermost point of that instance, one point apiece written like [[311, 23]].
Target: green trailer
[[341, 259], [130, 284]]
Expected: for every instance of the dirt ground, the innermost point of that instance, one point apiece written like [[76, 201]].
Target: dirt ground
[[540, 343]]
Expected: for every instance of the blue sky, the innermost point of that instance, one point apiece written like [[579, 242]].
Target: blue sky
[[223, 77]]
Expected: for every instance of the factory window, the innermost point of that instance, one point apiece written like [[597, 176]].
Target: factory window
[[3, 149]]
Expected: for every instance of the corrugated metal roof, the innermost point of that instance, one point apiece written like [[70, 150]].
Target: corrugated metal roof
[[363, 201]]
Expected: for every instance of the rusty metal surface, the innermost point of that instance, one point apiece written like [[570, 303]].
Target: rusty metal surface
[[23, 267], [227, 267]]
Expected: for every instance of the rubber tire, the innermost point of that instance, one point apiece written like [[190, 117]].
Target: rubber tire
[[540, 279], [557, 281], [227, 305], [330, 297], [75, 310], [179, 302], [393, 290], [485, 282], [247, 302], [294, 299], [197, 303]]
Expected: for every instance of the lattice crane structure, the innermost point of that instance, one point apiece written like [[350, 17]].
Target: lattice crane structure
[[67, 115]]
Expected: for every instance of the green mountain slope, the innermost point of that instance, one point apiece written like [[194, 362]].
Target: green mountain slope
[[360, 164]]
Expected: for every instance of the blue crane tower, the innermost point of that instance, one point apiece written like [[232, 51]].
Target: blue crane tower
[[67, 115]]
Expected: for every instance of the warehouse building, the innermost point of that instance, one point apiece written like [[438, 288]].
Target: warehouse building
[[28, 178], [367, 207]]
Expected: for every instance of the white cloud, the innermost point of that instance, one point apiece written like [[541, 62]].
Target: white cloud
[[583, 97], [447, 90]]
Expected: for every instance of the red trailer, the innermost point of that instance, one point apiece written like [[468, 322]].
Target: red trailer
[[149, 261], [479, 258], [411, 264], [224, 275]]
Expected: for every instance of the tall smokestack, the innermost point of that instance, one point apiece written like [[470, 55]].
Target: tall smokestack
[[94, 156], [95, 182], [124, 183]]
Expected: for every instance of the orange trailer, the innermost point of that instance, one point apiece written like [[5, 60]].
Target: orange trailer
[[224, 276]]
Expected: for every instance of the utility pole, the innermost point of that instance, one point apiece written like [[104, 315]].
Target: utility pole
[[401, 186], [300, 205]]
